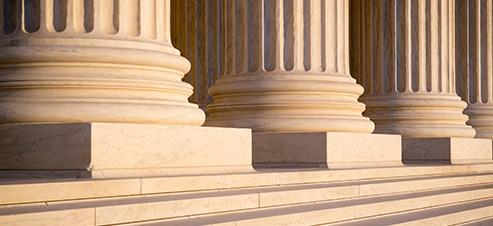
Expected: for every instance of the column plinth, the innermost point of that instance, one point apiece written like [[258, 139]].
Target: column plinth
[[285, 69], [94, 89], [106, 61], [403, 53], [286, 76]]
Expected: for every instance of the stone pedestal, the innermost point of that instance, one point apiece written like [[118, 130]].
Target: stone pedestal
[[322, 149], [73, 74], [286, 76], [105, 150], [403, 53], [446, 150]]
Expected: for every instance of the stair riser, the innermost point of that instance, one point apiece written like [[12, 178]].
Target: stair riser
[[168, 209], [415, 185], [350, 213], [87, 189]]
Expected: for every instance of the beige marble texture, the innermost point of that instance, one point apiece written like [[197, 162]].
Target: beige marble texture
[[174, 208], [447, 150], [464, 196], [391, 206], [82, 217], [307, 195], [196, 183], [335, 150], [403, 54], [302, 218], [39, 191], [280, 75], [197, 31], [464, 216], [474, 62], [133, 149], [159, 206], [100, 61]]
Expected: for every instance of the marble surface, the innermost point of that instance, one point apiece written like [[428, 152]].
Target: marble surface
[[82, 217], [67, 66], [474, 63], [145, 206], [39, 192], [124, 149], [447, 150], [335, 150], [407, 67], [296, 82], [157, 210]]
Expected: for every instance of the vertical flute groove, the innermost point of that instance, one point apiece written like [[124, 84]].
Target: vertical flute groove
[[315, 36], [404, 67], [198, 33], [301, 40], [474, 67]]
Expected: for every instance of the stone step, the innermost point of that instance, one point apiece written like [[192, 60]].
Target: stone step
[[291, 193], [256, 206], [104, 203], [487, 221], [467, 198], [43, 190], [466, 213]]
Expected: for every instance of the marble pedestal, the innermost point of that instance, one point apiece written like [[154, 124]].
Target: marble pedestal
[[326, 149], [446, 150], [105, 150]]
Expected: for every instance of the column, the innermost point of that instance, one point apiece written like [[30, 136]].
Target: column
[[92, 61], [474, 63], [197, 32], [286, 69], [286, 76], [93, 88], [403, 53]]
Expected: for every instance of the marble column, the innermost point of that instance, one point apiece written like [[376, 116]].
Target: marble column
[[92, 61], [474, 62], [286, 69], [403, 53], [197, 32]]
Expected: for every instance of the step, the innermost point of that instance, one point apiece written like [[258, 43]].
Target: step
[[299, 193], [142, 207], [41, 190], [456, 214], [488, 221], [337, 210]]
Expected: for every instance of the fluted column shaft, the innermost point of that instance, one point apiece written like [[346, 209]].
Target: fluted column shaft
[[197, 31], [91, 61], [403, 54], [474, 63], [286, 68]]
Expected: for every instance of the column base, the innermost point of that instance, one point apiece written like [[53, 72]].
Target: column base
[[107, 150], [446, 150], [326, 149]]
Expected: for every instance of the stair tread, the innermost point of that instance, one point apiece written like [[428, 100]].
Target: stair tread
[[319, 208], [283, 200], [277, 188], [442, 212], [143, 199], [482, 222]]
